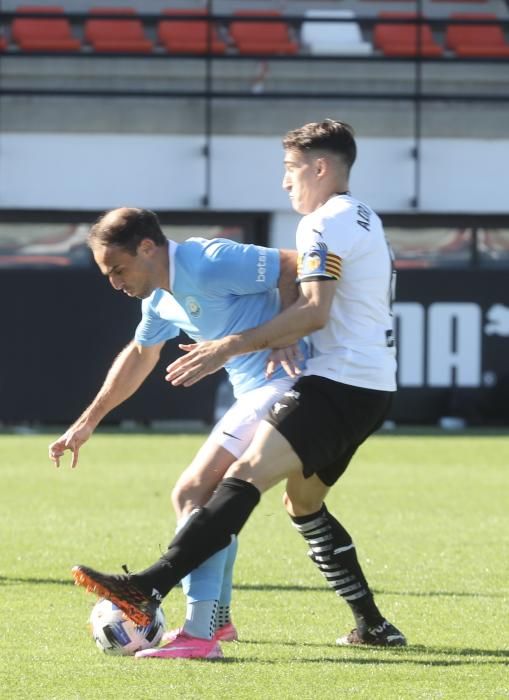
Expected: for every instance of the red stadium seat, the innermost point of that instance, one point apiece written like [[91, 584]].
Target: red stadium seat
[[116, 36], [476, 40], [261, 37], [402, 39], [32, 34], [179, 36]]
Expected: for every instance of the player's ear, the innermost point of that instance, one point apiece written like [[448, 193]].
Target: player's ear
[[320, 167], [146, 246]]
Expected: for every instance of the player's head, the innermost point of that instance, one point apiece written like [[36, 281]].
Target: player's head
[[126, 228], [128, 246], [318, 159]]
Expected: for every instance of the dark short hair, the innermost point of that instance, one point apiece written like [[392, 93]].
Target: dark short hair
[[127, 229], [328, 135]]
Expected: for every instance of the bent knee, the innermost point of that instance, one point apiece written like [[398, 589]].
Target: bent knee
[[241, 469], [254, 473], [301, 504], [177, 499], [183, 495], [292, 507]]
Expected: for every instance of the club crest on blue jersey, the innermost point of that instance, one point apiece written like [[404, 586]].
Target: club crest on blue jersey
[[192, 307]]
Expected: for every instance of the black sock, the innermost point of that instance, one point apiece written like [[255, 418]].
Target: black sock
[[208, 530], [333, 552]]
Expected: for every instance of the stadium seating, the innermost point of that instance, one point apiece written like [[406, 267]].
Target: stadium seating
[[181, 36], [116, 36], [476, 40], [334, 38], [402, 39], [261, 37], [44, 34]]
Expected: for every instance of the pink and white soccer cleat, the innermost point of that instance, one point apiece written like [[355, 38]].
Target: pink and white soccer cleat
[[183, 646], [226, 633]]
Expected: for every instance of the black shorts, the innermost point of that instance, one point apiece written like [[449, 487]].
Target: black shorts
[[325, 422]]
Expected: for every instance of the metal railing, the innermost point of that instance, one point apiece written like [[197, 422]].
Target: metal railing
[[417, 96]]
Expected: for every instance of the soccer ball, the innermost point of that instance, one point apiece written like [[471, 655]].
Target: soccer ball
[[115, 634]]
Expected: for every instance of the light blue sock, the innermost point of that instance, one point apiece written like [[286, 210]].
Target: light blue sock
[[202, 588], [225, 596], [201, 619], [205, 582]]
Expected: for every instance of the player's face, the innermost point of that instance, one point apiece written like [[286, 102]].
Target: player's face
[[301, 181], [131, 274]]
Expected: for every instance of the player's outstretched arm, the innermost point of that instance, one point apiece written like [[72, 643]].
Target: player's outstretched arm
[[127, 373]]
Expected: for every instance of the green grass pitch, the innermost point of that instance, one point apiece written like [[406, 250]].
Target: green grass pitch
[[430, 518]]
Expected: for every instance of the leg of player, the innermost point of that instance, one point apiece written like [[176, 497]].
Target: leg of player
[[332, 550], [208, 588], [225, 629], [208, 530], [211, 527], [202, 587]]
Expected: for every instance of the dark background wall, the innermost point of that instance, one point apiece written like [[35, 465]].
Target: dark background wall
[[457, 336], [62, 328]]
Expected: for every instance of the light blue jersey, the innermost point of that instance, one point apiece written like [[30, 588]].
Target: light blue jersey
[[219, 288]]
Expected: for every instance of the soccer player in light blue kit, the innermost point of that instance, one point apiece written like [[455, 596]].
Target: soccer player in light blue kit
[[208, 289]]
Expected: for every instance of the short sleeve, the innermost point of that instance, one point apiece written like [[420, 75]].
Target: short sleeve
[[235, 268], [316, 261], [153, 329]]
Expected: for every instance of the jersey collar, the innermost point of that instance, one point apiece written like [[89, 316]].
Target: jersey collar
[[172, 249]]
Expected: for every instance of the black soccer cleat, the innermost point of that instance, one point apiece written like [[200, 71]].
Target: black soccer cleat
[[121, 590], [383, 635]]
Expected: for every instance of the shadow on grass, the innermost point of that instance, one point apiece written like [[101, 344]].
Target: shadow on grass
[[274, 587], [14, 580], [377, 591], [426, 661], [365, 661], [412, 654], [398, 651], [417, 654], [439, 594], [494, 653]]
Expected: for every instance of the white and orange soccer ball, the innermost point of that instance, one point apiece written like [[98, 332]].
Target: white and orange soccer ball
[[115, 634]]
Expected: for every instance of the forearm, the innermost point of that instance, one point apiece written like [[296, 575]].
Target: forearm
[[287, 285], [129, 370], [307, 314], [295, 322]]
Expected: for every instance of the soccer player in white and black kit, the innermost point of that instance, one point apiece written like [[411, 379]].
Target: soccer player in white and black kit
[[310, 435]]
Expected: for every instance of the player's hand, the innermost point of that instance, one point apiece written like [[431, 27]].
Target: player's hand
[[289, 358], [199, 360], [72, 440]]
